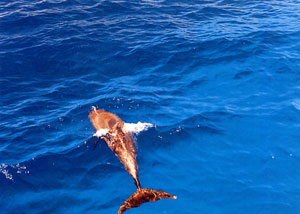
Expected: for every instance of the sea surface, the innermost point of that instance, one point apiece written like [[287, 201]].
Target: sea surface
[[219, 79]]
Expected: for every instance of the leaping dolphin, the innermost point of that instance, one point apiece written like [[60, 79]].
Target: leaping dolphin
[[121, 143]]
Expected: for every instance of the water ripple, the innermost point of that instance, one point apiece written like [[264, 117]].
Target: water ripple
[[219, 79]]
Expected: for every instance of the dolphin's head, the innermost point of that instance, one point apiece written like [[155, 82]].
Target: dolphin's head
[[95, 117], [105, 120]]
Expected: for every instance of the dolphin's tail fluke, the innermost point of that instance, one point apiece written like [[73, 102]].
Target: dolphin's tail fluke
[[143, 195]]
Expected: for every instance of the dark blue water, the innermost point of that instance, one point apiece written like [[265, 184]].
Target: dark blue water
[[219, 79]]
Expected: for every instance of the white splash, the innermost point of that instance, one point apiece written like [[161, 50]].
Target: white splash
[[5, 172], [101, 132], [94, 108], [136, 127]]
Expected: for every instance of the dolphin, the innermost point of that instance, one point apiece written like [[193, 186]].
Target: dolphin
[[121, 144]]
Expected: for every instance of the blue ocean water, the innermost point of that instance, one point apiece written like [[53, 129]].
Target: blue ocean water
[[219, 79]]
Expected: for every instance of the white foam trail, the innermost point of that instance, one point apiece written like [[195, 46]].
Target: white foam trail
[[127, 128], [101, 132], [136, 127]]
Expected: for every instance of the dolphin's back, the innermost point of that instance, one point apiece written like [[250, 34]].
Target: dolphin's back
[[117, 140]]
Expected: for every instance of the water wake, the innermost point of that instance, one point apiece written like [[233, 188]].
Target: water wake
[[134, 128]]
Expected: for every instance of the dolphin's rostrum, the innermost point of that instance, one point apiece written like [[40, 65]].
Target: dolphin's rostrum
[[121, 144]]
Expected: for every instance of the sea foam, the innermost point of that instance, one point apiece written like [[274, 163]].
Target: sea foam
[[101, 132], [134, 128]]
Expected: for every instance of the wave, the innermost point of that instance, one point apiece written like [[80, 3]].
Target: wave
[[199, 75]]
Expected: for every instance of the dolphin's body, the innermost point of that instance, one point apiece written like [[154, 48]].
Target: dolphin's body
[[121, 144]]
